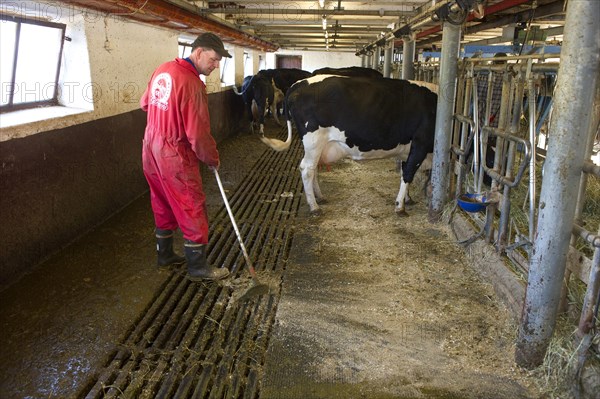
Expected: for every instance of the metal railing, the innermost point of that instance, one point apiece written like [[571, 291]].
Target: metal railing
[[519, 83]]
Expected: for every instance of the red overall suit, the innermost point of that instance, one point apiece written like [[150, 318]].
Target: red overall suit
[[177, 137]]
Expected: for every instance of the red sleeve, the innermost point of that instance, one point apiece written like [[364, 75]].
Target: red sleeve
[[196, 121]]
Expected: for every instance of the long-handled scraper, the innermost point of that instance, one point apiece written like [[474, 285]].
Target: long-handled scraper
[[256, 288]]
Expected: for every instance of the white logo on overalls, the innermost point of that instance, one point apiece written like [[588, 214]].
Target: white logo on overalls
[[161, 90]]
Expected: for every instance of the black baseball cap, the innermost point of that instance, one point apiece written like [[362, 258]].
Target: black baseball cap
[[211, 41]]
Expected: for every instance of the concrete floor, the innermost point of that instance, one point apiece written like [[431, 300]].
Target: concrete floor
[[62, 321]]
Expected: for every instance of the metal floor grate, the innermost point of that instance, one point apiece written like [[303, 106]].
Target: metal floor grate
[[196, 339]]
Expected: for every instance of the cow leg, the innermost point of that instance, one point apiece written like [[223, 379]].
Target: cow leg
[[407, 199], [401, 198], [317, 190], [313, 147], [309, 172], [409, 168]]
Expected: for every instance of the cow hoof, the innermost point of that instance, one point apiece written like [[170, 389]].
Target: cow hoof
[[316, 212], [321, 200], [401, 213]]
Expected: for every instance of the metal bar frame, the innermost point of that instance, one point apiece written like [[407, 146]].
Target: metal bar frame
[[569, 127]]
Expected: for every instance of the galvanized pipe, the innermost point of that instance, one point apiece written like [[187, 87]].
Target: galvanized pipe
[[477, 150], [532, 136], [513, 58], [375, 59], [589, 237], [577, 78], [591, 301], [486, 121], [387, 60], [499, 155], [464, 96], [443, 121], [512, 182], [503, 225], [586, 322], [461, 150], [591, 168], [408, 58], [588, 168]]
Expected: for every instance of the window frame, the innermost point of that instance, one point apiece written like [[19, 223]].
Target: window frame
[[10, 106]]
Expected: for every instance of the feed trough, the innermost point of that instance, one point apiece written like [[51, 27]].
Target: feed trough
[[472, 202]]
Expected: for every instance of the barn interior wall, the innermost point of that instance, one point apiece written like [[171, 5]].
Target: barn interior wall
[[312, 60], [62, 177]]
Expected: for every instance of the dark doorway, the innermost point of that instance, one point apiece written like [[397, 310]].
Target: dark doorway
[[288, 61]]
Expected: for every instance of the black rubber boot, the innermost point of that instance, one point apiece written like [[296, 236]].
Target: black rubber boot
[[197, 264], [164, 247]]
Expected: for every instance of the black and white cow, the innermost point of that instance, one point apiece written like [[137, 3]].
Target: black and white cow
[[265, 91], [360, 118], [258, 95], [282, 79], [353, 71]]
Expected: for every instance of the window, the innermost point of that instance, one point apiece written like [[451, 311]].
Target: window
[[227, 66], [184, 50], [30, 55], [248, 64]]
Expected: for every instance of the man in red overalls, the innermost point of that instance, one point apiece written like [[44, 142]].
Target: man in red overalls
[[177, 137]]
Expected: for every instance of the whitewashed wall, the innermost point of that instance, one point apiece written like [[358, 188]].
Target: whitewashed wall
[[312, 60], [105, 67], [122, 57]]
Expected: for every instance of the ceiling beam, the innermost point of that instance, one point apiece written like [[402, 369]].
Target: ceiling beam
[[314, 22], [293, 11], [369, 2]]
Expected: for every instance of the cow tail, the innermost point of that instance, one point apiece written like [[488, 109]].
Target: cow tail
[[235, 89], [279, 145]]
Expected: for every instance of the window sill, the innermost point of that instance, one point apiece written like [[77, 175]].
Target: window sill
[[25, 116]]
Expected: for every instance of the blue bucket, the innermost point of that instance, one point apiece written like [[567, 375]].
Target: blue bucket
[[472, 202]]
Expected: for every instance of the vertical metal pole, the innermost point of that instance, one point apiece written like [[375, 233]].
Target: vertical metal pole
[[363, 61], [387, 60], [463, 96], [532, 114], [477, 136], [408, 66], [503, 225], [577, 77], [443, 120], [375, 58], [586, 321], [500, 153], [369, 60]]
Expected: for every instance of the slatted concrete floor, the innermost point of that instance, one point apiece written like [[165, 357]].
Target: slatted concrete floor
[[199, 339]]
